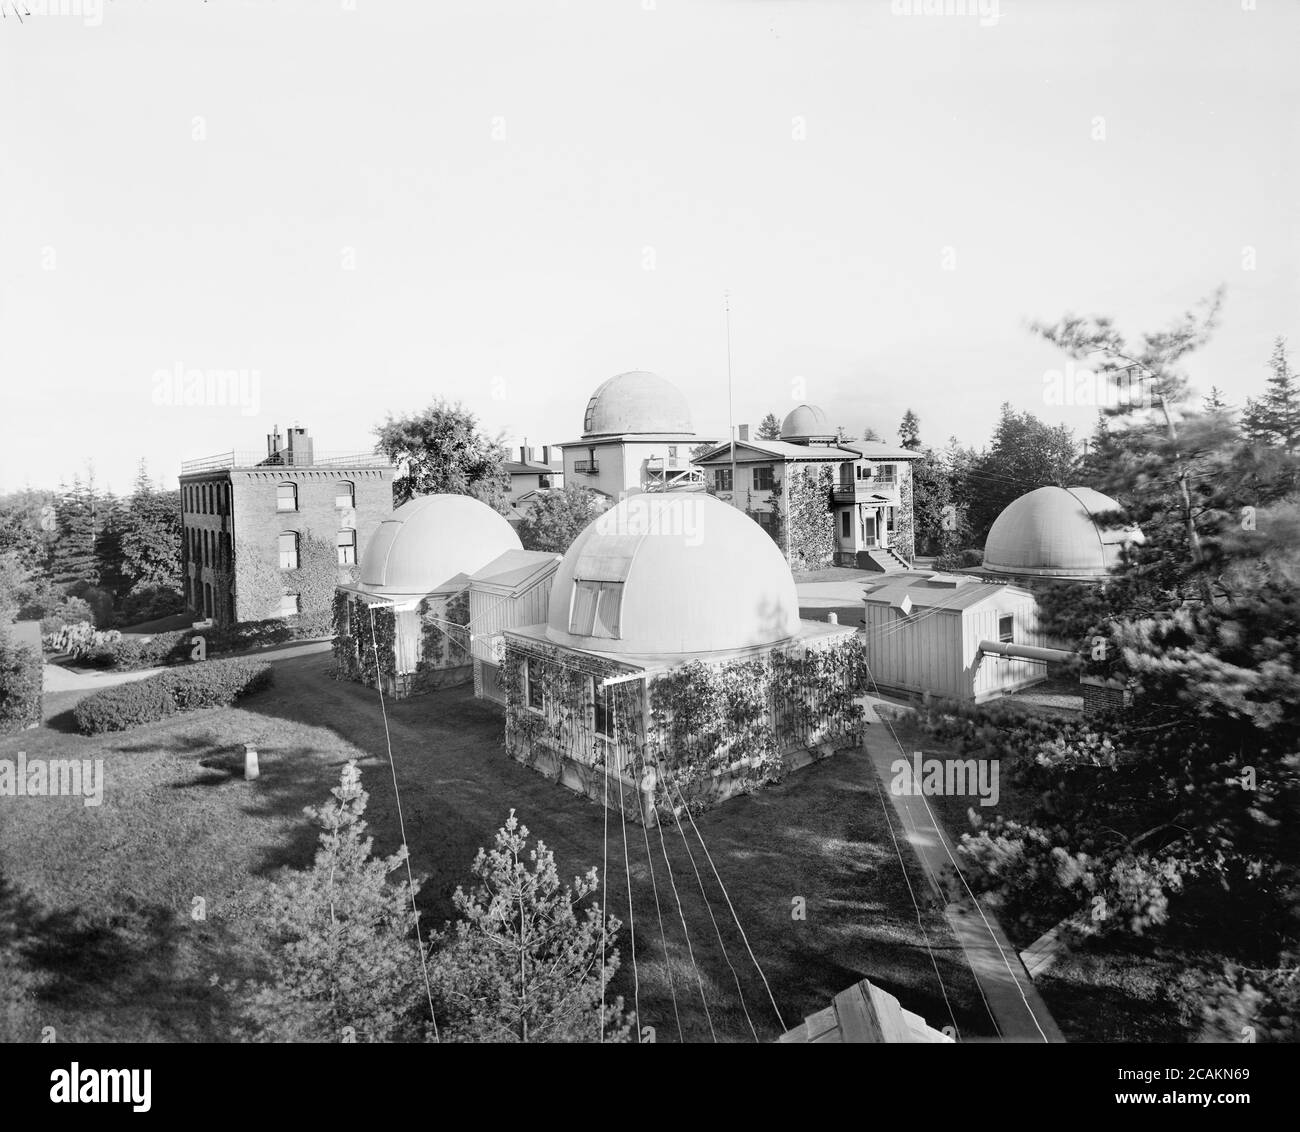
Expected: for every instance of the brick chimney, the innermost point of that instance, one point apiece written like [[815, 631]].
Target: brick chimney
[[299, 447], [273, 440]]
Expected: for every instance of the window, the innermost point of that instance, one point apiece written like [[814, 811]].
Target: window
[[602, 702], [763, 478], [534, 697], [347, 545], [286, 497], [544, 481], [846, 524], [1006, 628], [722, 479], [289, 550], [672, 450], [289, 605], [885, 473], [595, 610], [345, 496]]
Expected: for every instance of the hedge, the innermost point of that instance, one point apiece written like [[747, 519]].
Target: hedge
[[21, 680], [176, 647], [213, 683]]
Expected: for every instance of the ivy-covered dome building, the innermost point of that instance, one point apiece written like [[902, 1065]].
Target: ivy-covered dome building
[[413, 597], [673, 666]]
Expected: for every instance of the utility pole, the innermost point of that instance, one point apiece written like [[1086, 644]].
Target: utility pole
[[731, 420]]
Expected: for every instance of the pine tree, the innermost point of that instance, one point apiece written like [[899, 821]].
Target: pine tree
[[909, 431], [77, 523], [870, 433], [521, 965], [150, 536], [769, 428], [344, 964], [1275, 418], [1214, 402]]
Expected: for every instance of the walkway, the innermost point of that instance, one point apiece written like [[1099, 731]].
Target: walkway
[[1014, 1002]]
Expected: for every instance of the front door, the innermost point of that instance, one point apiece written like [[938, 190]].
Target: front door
[[869, 528]]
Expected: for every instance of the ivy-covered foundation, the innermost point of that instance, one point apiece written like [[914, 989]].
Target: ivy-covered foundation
[[423, 644], [684, 732]]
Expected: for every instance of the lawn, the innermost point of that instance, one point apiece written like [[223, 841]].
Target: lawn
[[99, 900]]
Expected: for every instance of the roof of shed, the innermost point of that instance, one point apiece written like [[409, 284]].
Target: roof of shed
[[934, 591]]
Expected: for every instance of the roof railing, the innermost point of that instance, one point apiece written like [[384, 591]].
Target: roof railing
[[284, 459]]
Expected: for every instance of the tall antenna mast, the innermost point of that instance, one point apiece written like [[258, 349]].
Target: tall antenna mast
[[731, 420]]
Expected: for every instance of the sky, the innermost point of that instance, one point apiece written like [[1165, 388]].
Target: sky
[[345, 208]]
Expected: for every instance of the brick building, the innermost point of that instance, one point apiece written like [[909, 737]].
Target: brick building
[[244, 517]]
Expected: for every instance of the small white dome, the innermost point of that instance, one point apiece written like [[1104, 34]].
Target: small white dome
[[806, 422], [1051, 532], [427, 542], [637, 402], [672, 573]]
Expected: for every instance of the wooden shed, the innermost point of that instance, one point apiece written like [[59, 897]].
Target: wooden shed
[[511, 590], [926, 632], [863, 1013]]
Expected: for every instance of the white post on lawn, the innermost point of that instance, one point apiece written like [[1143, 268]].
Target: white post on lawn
[[250, 761]]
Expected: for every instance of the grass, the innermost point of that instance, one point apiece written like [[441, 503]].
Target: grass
[[98, 900]]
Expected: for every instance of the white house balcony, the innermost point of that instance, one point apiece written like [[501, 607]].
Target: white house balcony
[[865, 491], [586, 467]]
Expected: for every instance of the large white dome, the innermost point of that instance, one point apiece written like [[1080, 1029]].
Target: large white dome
[[1051, 532], [665, 574], [637, 402], [429, 541]]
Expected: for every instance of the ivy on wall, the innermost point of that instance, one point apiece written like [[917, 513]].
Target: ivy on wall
[[806, 516], [262, 583], [904, 522], [354, 645], [702, 721]]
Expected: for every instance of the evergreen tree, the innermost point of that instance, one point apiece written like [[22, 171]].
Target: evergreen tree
[[1275, 418], [110, 563], [522, 966], [870, 433], [909, 431], [150, 536], [77, 524], [1214, 402], [344, 964], [769, 428]]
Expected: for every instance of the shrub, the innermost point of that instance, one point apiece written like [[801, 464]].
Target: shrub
[[217, 683], [126, 705], [82, 640], [20, 685], [149, 604], [214, 683], [53, 618]]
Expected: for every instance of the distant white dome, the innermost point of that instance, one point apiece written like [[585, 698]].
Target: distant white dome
[[1051, 532], [637, 402], [429, 541], [806, 422], [665, 574]]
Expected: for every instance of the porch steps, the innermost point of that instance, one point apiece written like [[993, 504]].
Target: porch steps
[[882, 560]]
